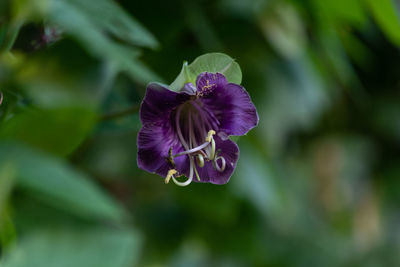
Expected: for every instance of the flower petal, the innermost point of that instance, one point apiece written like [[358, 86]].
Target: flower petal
[[154, 144], [233, 108], [158, 103], [208, 174], [157, 135], [206, 82]]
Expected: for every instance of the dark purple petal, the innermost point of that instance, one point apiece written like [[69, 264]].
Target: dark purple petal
[[154, 144], [208, 174], [157, 135], [158, 103], [207, 82], [233, 108]]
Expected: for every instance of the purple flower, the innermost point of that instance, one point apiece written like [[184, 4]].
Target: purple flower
[[186, 133]]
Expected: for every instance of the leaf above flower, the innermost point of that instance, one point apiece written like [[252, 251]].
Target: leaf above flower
[[211, 62]]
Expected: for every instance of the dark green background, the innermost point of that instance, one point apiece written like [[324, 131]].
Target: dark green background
[[317, 182]]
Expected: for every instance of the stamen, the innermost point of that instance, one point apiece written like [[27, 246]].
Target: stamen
[[223, 162], [189, 180], [197, 128], [201, 127], [200, 160], [197, 174], [212, 152], [191, 151], [170, 175], [191, 134], [209, 139], [203, 118], [209, 135], [170, 159], [178, 128]]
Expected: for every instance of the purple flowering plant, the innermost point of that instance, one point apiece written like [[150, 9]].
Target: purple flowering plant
[[186, 126]]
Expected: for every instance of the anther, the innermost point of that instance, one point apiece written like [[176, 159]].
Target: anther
[[200, 160], [209, 135], [170, 158], [209, 139], [170, 175]]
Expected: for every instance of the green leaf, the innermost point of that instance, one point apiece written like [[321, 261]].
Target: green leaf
[[217, 62], [184, 76], [284, 29], [106, 15], [58, 131], [211, 62], [111, 17], [92, 36], [55, 182], [67, 248], [340, 12], [385, 15]]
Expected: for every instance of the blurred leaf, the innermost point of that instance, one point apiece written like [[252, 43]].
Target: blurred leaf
[[7, 176], [246, 9], [110, 16], [385, 14], [211, 62], [91, 35], [58, 131], [255, 181], [25, 10], [340, 12], [296, 102], [184, 77], [8, 35], [284, 29], [104, 14], [7, 180], [57, 183], [72, 248], [386, 118]]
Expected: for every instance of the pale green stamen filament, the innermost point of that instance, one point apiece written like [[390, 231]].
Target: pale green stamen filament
[[170, 175], [197, 154], [212, 152], [217, 166], [189, 180], [200, 160]]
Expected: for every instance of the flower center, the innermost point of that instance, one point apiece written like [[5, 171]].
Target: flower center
[[195, 129]]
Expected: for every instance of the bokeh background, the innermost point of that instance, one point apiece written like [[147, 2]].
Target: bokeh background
[[317, 183]]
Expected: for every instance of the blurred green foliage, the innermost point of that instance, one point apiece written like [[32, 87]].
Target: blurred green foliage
[[317, 182]]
